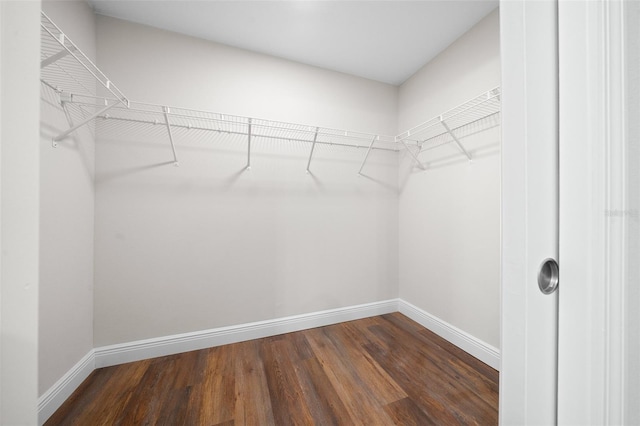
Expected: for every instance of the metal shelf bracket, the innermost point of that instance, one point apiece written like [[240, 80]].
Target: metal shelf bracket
[[367, 155], [415, 157], [56, 57], [64, 98], [248, 167], [313, 146], [455, 139], [173, 147]]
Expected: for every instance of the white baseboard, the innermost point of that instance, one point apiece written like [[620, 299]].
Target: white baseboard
[[168, 345], [57, 394], [468, 343], [106, 356]]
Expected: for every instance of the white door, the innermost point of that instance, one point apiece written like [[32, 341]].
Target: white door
[[599, 312], [529, 210], [595, 379]]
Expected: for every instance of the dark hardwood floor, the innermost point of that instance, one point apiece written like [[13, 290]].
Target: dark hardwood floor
[[377, 371]]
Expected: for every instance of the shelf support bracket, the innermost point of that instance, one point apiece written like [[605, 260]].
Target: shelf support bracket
[[455, 139], [367, 155], [313, 146], [64, 98], [83, 122], [55, 57], [248, 146], [173, 147], [415, 157]]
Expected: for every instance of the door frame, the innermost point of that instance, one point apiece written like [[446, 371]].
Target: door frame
[[593, 213]]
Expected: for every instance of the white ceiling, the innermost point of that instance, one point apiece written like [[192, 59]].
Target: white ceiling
[[387, 41]]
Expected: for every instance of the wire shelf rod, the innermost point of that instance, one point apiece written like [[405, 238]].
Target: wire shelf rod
[[236, 133], [209, 116], [276, 126], [281, 135]]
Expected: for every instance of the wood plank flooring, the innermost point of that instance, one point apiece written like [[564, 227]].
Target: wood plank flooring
[[383, 370]]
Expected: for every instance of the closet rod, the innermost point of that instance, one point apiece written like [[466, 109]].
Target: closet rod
[[231, 132], [240, 121]]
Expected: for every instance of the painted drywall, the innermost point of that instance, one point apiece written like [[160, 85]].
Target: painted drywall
[[449, 215], [206, 244], [19, 188], [200, 74], [66, 218]]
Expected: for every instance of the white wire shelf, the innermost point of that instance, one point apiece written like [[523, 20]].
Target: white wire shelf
[[453, 125], [64, 67], [76, 78], [143, 115]]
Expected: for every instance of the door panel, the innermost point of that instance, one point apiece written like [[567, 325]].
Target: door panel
[[529, 210], [598, 302]]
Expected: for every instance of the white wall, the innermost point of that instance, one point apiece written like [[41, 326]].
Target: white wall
[[206, 245], [19, 187], [449, 233], [66, 218], [199, 74]]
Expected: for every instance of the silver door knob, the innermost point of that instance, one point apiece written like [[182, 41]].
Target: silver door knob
[[548, 276]]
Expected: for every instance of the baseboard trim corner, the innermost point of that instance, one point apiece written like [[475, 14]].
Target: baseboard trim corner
[[57, 394], [106, 356], [468, 343]]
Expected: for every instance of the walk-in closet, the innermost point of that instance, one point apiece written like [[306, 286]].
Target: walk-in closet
[[239, 212], [319, 212]]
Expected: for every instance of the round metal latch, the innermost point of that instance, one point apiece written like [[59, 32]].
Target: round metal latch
[[548, 276]]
